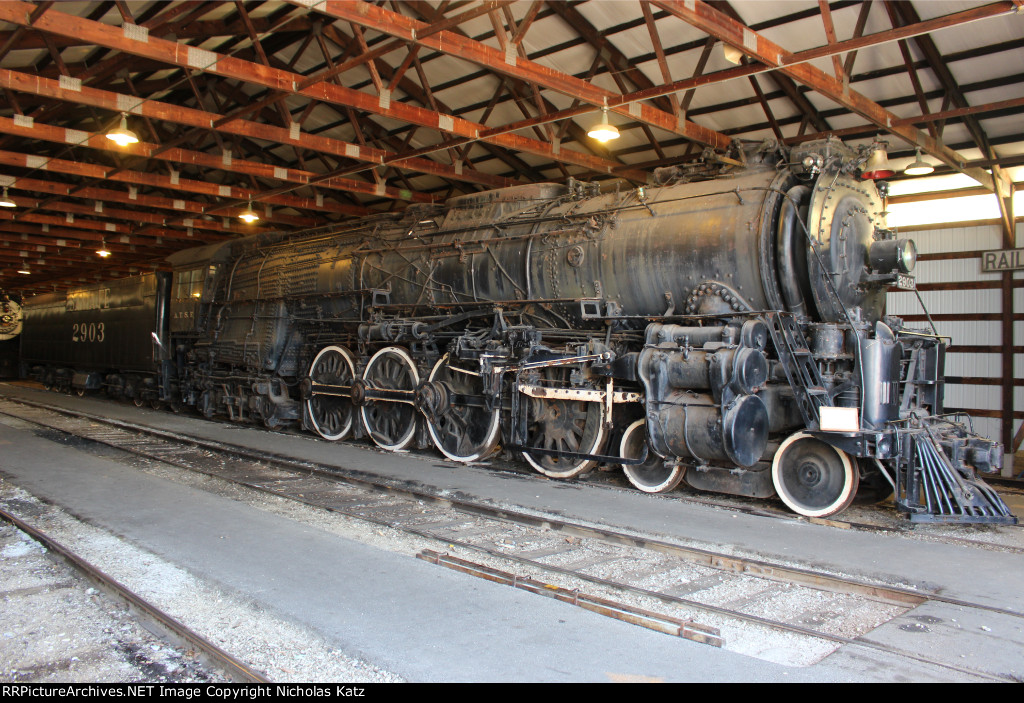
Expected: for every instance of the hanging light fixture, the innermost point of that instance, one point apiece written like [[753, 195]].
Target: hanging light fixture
[[878, 165], [102, 252], [920, 167], [6, 201], [603, 132], [250, 215], [123, 136], [25, 272], [732, 54]]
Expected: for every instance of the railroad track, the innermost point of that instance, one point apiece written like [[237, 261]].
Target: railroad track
[[156, 620], [700, 591], [864, 517], [1008, 485]]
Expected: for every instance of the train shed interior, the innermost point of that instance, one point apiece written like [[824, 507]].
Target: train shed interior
[[306, 114], [133, 132]]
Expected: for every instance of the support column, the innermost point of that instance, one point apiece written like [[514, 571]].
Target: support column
[[1010, 441]]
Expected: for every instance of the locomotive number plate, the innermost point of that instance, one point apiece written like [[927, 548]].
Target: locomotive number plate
[[905, 282]]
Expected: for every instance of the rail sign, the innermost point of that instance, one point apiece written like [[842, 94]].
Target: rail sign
[[1005, 260]]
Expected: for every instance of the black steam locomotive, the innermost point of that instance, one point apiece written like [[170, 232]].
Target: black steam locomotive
[[11, 321], [724, 327]]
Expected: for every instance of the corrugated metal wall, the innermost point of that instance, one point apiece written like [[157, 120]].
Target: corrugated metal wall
[[965, 304]]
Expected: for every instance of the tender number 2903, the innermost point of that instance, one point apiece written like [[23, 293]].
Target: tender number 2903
[[87, 332]]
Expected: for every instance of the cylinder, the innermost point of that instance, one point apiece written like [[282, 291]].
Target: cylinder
[[704, 433]]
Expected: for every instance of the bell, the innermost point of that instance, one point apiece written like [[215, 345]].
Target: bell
[[878, 165]]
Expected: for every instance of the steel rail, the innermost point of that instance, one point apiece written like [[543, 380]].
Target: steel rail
[[886, 594], [356, 477], [658, 622], [168, 626], [478, 570], [716, 560]]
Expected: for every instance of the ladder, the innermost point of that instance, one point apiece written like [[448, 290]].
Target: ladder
[[801, 370]]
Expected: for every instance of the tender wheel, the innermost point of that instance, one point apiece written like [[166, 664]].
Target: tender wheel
[[331, 415], [390, 424], [652, 476], [462, 431], [814, 478], [565, 426]]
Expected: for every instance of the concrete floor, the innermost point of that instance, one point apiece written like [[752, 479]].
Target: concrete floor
[[428, 624]]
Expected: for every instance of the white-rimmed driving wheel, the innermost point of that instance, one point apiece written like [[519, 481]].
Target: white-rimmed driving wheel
[[391, 424], [462, 428], [562, 427], [812, 477], [330, 413]]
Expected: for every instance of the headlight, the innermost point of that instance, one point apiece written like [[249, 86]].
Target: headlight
[[893, 254], [908, 255]]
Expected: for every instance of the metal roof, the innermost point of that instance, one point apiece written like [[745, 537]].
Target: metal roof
[[322, 111]]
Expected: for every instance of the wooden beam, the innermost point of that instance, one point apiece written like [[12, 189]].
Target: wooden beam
[[830, 35], [60, 135], [770, 54], [191, 58], [450, 43], [136, 178], [613, 57], [69, 223], [99, 208], [116, 102], [1011, 104], [107, 195]]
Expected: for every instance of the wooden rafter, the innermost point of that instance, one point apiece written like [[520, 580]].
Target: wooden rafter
[[325, 117], [770, 54], [451, 43], [280, 80]]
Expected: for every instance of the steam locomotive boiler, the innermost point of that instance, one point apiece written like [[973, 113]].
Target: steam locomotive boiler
[[724, 327]]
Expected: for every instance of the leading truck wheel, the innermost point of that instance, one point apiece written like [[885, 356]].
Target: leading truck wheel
[[812, 477], [653, 475]]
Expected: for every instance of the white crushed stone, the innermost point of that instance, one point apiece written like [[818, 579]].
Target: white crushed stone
[[752, 640], [281, 650]]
